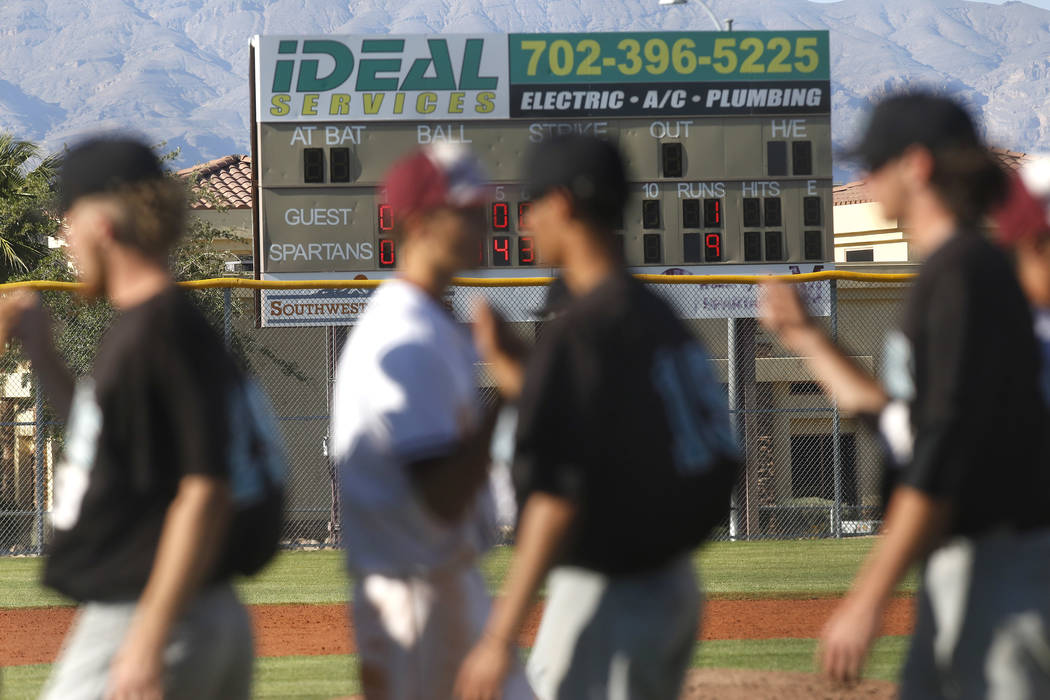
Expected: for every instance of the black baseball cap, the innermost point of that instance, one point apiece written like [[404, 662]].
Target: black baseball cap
[[913, 118], [105, 164], [589, 168]]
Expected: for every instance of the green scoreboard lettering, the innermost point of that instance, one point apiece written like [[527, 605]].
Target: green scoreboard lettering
[[726, 135]]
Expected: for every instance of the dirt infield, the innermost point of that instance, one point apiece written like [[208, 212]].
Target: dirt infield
[[743, 684], [33, 635]]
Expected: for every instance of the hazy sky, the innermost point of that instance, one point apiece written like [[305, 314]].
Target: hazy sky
[[1038, 3]]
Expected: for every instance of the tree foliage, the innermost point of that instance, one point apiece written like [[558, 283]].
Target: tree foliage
[[80, 324], [26, 204]]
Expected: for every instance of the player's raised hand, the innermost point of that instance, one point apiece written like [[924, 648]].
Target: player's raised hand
[[782, 312], [500, 349], [22, 316]]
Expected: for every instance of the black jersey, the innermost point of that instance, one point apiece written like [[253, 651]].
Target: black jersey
[[621, 414], [152, 411], [970, 369]]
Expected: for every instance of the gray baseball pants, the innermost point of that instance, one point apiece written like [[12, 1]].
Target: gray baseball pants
[[616, 638], [983, 624], [209, 654]]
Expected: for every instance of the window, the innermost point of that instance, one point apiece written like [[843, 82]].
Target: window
[[526, 250], [811, 211], [501, 251], [752, 212], [752, 246], [691, 247], [500, 216], [672, 159], [651, 213], [523, 211], [387, 253], [651, 248], [774, 245], [712, 213], [340, 165], [813, 468], [713, 247], [863, 255], [776, 158], [313, 165], [802, 157], [812, 246], [772, 211], [690, 213]]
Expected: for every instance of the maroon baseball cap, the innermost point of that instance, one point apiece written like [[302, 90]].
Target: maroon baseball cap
[[441, 175], [1026, 211]]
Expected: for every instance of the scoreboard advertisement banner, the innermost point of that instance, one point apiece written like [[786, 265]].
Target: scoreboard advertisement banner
[[726, 136], [496, 76], [293, 308]]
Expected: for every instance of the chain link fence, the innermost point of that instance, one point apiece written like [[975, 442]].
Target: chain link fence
[[810, 470]]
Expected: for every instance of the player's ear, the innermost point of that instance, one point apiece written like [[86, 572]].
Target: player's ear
[[918, 163], [412, 226], [560, 204], [101, 220]]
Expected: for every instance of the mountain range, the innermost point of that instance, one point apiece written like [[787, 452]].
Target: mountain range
[[176, 70]]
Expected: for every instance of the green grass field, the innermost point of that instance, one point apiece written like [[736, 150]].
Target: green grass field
[[768, 569]]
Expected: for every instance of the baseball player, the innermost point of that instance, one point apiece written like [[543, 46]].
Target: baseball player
[[412, 444], [1024, 227], [618, 411], [961, 413], [142, 496]]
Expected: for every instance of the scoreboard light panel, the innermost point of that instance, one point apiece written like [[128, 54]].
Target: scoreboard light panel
[[707, 190]]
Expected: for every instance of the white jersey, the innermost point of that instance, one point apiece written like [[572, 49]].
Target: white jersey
[[405, 390]]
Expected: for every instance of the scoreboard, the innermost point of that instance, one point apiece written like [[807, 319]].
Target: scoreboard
[[726, 138]]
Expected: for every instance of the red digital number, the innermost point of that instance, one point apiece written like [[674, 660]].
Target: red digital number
[[523, 210], [501, 250], [386, 218], [713, 245], [500, 216], [387, 253], [718, 211], [526, 251]]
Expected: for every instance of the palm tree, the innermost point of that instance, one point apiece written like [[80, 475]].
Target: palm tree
[[26, 180]]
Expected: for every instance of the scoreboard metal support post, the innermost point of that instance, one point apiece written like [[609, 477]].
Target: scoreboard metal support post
[[836, 430], [39, 445], [740, 384]]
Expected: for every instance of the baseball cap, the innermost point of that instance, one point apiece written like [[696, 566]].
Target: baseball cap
[[105, 164], [589, 168], [914, 118], [1026, 211], [443, 174]]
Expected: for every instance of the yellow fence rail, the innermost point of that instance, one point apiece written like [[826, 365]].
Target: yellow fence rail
[[240, 283]]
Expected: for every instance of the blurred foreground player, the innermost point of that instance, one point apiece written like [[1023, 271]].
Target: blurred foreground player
[[1024, 227], [412, 444], [142, 495], [625, 458], [961, 414]]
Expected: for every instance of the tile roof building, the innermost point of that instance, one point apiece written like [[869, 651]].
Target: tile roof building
[[223, 182], [863, 235], [221, 195]]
